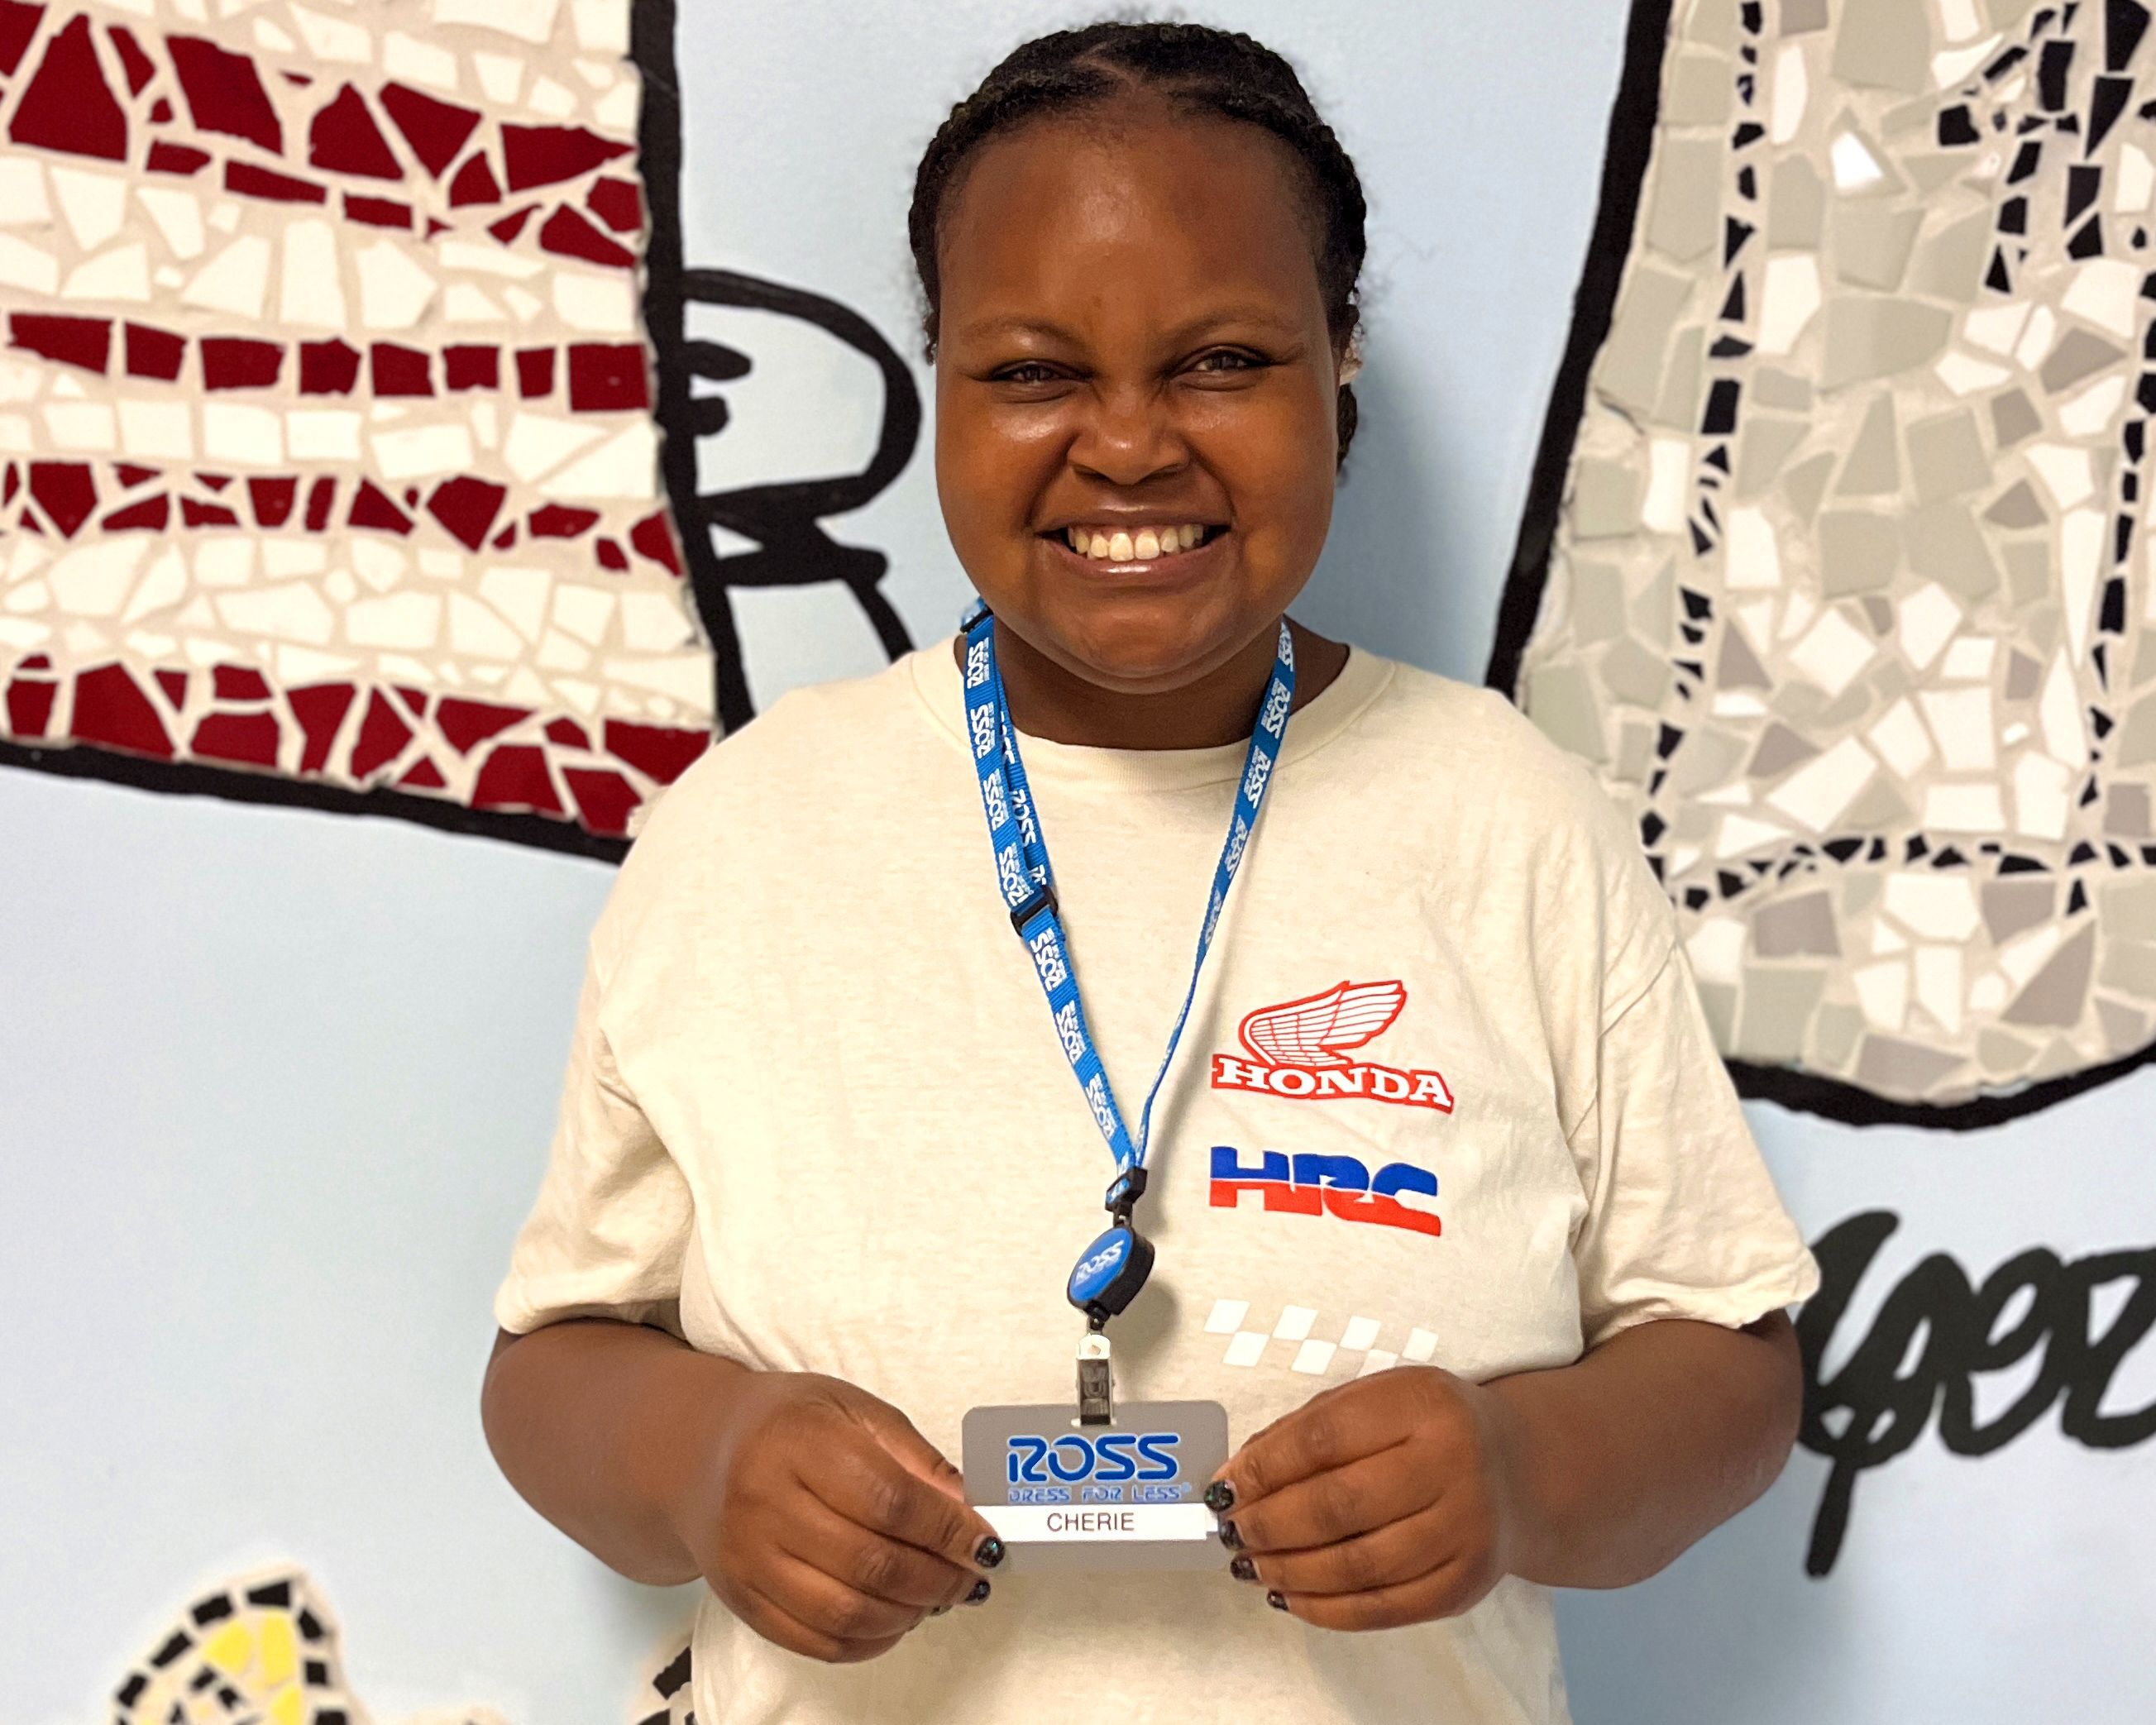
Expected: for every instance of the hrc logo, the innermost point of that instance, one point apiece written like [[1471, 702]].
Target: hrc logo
[[1339, 1185]]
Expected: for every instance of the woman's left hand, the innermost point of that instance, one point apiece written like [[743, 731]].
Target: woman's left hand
[[1382, 1502]]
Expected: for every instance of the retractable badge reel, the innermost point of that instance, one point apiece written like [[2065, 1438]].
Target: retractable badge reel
[[1110, 1488]]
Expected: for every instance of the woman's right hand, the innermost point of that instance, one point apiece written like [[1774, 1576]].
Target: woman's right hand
[[825, 1522]]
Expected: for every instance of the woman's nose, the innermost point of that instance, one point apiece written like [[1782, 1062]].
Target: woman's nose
[[1128, 436]]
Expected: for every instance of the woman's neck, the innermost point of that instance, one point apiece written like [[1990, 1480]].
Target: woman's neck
[[1221, 707]]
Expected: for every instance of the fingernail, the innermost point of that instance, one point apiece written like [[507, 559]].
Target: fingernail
[[1278, 1601], [1243, 1569], [981, 1591], [1219, 1497], [988, 1552], [1229, 1537]]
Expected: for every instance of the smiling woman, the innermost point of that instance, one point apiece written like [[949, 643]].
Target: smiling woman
[[819, 1176]]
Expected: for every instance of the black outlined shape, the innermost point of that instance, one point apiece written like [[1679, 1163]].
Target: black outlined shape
[[1633, 120], [786, 520]]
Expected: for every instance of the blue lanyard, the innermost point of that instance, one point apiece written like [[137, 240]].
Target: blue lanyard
[[1028, 885]]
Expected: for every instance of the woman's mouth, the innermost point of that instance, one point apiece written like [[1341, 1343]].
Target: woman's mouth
[[1154, 544]]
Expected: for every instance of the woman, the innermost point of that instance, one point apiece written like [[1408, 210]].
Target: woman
[[1455, 1207]]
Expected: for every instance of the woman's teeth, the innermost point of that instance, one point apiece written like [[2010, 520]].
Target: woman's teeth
[[1145, 545]]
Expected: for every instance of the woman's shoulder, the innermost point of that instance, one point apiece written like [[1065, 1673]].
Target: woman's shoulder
[[813, 744], [1471, 744]]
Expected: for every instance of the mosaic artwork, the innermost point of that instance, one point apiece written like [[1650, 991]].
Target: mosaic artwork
[[264, 1649], [1839, 571]]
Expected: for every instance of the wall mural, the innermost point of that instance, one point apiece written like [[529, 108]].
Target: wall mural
[[1834, 566], [1837, 571], [330, 459], [265, 1649]]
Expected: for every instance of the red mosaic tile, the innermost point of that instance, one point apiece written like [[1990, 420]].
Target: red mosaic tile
[[475, 183], [382, 735], [194, 513], [133, 61], [466, 367], [238, 682], [568, 733], [30, 706], [611, 556], [130, 475], [84, 342], [273, 499], [469, 723], [535, 372], [435, 130], [605, 800], [151, 514], [161, 112], [619, 203], [549, 155], [320, 501], [244, 180], [240, 362], [215, 481], [249, 739], [467, 507], [10, 482], [604, 378], [660, 752], [344, 139], [558, 521], [174, 683], [424, 776], [570, 235], [18, 23], [319, 708], [653, 537], [111, 711], [154, 353], [510, 226], [378, 212], [401, 371], [180, 159], [225, 92], [328, 367], [415, 700], [66, 491], [69, 107], [506, 538], [515, 776], [373, 510]]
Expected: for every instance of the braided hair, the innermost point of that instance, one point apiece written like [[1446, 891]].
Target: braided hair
[[1221, 73]]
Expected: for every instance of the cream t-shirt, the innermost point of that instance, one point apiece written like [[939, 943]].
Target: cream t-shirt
[[816, 1104]]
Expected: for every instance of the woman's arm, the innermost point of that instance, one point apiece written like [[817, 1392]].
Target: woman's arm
[[817, 1513], [594, 1423], [1408, 1495]]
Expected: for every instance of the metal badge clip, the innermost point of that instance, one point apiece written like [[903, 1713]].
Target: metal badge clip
[[1096, 1383]]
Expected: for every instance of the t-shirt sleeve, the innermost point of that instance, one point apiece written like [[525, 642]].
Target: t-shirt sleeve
[[1683, 1218], [610, 1228]]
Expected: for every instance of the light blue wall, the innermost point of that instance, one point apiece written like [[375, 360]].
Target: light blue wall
[[280, 1082]]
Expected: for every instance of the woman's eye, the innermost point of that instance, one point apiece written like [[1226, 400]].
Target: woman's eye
[[1227, 360], [1032, 372]]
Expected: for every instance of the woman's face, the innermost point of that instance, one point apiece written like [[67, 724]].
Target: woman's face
[[1136, 390]]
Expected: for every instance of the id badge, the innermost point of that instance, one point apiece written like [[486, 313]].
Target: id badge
[[1127, 1494]]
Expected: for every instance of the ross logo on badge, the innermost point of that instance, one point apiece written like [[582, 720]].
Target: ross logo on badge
[[1298, 1050]]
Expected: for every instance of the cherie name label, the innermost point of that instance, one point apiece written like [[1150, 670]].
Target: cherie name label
[[1295, 1050]]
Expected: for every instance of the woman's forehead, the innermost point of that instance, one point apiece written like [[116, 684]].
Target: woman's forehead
[[1184, 204]]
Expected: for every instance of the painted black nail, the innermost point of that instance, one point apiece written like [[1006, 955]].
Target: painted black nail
[[980, 1592], [1278, 1601], [1230, 1536], [988, 1552], [1219, 1497], [1243, 1569]]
